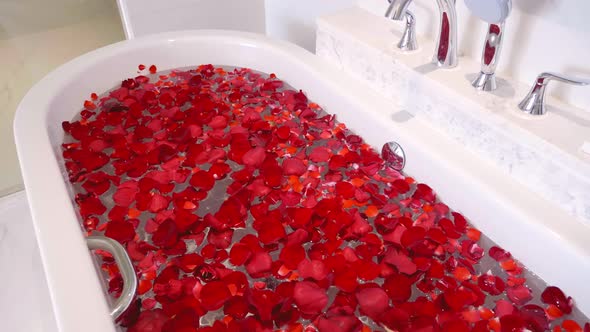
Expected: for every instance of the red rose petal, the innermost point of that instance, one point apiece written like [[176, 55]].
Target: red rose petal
[[271, 232], [122, 231], [455, 325], [398, 287], [259, 264], [413, 236], [297, 237], [554, 295], [158, 203], [341, 323], [372, 301], [237, 307], [471, 250], [283, 132], [503, 308], [150, 321], [190, 262], [535, 317], [167, 234], [320, 154], [457, 299], [519, 294], [294, 166], [346, 281], [218, 122], [264, 301], [214, 294], [125, 194], [292, 255], [254, 157], [90, 205], [512, 323], [499, 254], [202, 180], [309, 297], [345, 189], [220, 239], [312, 269], [239, 254], [491, 284], [401, 261]]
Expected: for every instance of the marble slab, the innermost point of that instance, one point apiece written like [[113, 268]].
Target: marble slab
[[544, 153]]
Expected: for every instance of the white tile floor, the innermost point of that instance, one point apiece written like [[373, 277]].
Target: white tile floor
[[24, 296]]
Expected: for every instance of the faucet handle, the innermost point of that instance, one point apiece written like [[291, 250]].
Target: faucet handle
[[534, 102], [408, 41], [544, 78]]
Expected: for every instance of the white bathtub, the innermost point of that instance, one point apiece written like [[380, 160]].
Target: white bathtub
[[544, 238]]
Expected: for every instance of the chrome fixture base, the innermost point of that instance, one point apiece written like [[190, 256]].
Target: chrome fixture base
[[485, 82]]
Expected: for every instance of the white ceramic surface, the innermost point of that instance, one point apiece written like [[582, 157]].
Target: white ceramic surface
[[543, 153], [24, 305], [532, 228], [144, 17], [294, 20]]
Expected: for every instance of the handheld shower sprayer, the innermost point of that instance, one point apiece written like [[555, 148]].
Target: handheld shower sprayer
[[494, 12]]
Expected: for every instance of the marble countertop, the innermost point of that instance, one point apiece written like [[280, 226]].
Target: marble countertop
[[24, 302]]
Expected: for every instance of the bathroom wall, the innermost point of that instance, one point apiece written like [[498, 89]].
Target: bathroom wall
[[294, 20], [35, 37], [143, 17], [541, 35]]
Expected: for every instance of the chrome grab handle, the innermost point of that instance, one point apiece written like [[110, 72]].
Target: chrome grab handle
[[534, 102], [125, 267]]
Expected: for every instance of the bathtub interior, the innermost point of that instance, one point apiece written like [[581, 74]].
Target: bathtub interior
[[64, 102], [349, 102]]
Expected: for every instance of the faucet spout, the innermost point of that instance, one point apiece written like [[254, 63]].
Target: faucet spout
[[397, 9], [446, 45], [445, 54]]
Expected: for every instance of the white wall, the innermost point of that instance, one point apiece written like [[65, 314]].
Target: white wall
[[35, 37], [38, 35], [541, 35], [294, 20], [143, 17]]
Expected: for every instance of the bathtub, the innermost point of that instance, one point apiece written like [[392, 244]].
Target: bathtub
[[553, 245]]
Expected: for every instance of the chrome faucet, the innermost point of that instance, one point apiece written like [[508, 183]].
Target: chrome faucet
[[534, 102], [495, 14], [408, 41], [446, 45]]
